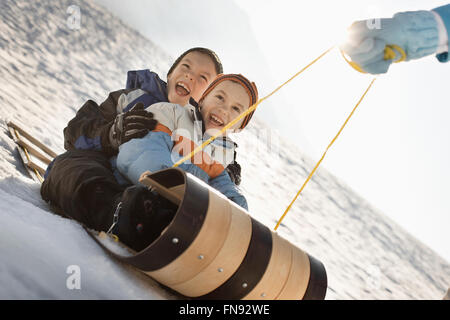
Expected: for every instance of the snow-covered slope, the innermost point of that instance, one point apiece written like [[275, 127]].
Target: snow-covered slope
[[48, 70]]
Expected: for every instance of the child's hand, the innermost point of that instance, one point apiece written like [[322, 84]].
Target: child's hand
[[135, 123], [415, 32]]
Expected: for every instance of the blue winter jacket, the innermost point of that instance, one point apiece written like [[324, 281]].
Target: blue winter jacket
[[444, 13], [155, 151]]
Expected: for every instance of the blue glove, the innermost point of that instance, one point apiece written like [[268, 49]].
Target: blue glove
[[415, 32]]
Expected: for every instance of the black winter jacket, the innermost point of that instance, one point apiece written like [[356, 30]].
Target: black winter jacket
[[89, 129]]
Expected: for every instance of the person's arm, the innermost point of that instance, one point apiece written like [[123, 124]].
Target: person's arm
[[154, 152], [89, 129], [442, 16], [410, 35], [103, 128], [223, 184], [150, 153]]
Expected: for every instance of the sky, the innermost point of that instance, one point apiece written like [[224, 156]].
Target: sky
[[395, 150]]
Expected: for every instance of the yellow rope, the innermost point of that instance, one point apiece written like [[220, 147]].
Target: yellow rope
[[249, 110], [389, 54], [211, 139], [323, 155], [253, 107]]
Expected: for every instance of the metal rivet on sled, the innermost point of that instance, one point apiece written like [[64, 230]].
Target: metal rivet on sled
[[220, 269], [175, 240], [244, 285], [263, 294], [200, 257]]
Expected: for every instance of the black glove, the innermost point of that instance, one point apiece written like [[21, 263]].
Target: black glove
[[234, 171], [135, 123]]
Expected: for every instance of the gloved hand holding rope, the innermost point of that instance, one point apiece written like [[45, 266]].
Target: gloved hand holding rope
[[373, 45]]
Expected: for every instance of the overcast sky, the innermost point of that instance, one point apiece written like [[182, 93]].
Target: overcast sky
[[396, 150]]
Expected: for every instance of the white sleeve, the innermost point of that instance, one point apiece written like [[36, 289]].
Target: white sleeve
[[164, 113], [443, 36]]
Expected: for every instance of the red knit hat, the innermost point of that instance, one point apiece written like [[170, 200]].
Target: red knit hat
[[249, 87]]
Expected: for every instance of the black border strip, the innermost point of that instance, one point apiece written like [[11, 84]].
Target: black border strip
[[318, 283], [252, 268]]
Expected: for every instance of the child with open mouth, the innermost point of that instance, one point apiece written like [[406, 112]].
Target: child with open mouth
[[182, 128]]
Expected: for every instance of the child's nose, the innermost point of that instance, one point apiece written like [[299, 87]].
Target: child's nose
[[223, 112], [189, 76]]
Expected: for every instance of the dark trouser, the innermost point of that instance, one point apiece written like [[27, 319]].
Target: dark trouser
[[81, 184]]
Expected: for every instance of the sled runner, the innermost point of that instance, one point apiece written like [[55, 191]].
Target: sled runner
[[35, 155], [212, 248]]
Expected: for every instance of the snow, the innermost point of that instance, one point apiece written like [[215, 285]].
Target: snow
[[48, 71], [37, 249]]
